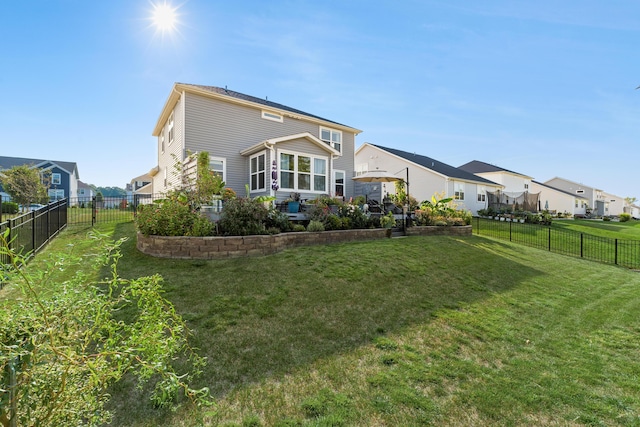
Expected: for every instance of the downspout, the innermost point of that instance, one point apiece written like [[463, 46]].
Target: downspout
[[271, 148]]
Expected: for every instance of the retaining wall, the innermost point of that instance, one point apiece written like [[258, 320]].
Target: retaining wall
[[239, 246]]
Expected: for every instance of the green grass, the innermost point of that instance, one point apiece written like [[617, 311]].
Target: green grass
[[610, 229], [413, 331]]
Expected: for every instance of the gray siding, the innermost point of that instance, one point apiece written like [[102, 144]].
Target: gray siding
[[224, 129]]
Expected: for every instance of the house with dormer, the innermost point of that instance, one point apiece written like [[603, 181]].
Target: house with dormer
[[426, 177], [272, 148]]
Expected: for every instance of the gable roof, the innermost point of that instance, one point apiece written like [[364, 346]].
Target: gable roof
[[9, 162], [574, 182], [476, 166], [436, 166], [238, 97], [577, 196]]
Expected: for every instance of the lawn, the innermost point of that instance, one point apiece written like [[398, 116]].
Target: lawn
[[410, 331]]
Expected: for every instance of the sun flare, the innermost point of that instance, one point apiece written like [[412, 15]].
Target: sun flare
[[164, 17]]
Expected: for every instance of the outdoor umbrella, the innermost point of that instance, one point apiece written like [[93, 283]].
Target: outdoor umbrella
[[377, 176]]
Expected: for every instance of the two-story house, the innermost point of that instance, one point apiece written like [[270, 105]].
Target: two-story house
[[274, 149], [426, 176], [516, 193], [597, 203], [61, 178], [560, 201]]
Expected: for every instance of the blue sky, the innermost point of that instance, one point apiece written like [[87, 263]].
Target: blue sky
[[543, 88]]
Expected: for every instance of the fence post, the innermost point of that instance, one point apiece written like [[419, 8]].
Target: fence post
[[581, 245], [12, 384], [94, 210], [549, 239], [616, 256], [510, 225]]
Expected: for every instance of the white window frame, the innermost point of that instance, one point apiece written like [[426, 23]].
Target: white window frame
[[296, 173], [335, 182], [362, 168], [458, 190], [274, 117], [330, 141], [224, 165], [258, 172], [56, 178], [162, 147], [170, 130], [55, 193]]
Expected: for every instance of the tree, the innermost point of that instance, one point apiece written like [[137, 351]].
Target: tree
[[63, 348], [24, 185], [630, 200]]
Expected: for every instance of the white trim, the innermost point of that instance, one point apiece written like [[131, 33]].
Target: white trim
[[171, 134], [270, 143], [296, 173], [265, 171], [273, 116], [330, 142], [334, 182], [224, 165]]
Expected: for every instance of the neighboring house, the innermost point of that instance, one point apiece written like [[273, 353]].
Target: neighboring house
[[85, 192], [274, 149], [142, 184], [597, 204], [516, 192], [61, 179], [426, 176], [560, 201], [634, 211], [615, 204]]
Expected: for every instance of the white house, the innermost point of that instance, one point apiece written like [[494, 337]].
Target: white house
[[426, 177], [614, 204], [560, 201], [597, 205]]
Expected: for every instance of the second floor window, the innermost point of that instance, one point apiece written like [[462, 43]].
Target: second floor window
[[56, 179], [170, 128], [332, 137]]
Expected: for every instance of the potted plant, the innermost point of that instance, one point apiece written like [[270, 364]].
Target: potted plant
[[293, 202], [388, 221]]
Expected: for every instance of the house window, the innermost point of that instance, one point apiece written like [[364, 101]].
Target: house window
[[165, 177], [362, 168], [218, 166], [579, 191], [332, 137], [338, 179], [170, 128], [258, 172], [272, 116], [55, 179], [162, 141], [576, 203], [303, 172], [458, 190], [526, 186], [482, 197], [56, 194]]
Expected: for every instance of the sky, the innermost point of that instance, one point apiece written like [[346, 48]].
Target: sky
[[544, 88]]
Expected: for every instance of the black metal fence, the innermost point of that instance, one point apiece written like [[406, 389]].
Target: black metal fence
[[29, 232], [622, 252]]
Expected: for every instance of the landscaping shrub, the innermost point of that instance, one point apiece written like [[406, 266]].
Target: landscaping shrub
[[279, 220], [170, 217], [10, 207], [315, 226], [299, 227], [624, 217], [242, 217]]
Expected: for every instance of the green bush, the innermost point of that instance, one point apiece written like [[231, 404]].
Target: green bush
[[170, 217], [243, 217], [624, 217], [315, 226], [277, 219], [299, 227], [10, 207]]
